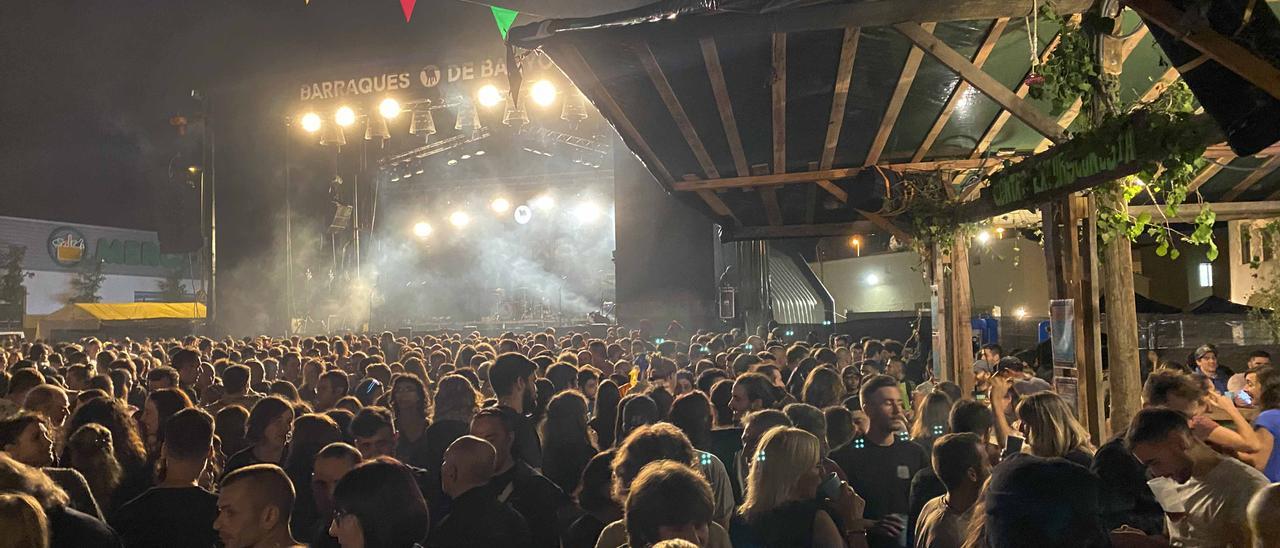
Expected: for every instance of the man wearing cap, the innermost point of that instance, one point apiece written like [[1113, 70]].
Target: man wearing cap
[[1207, 366]]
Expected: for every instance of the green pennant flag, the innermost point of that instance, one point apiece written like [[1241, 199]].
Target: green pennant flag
[[504, 18]]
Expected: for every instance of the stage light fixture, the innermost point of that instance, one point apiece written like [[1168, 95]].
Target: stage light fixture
[[376, 128], [574, 110], [311, 122], [479, 153], [452, 162], [389, 108], [543, 93], [459, 219], [344, 116], [983, 237], [465, 157], [489, 95], [500, 205], [1020, 312], [543, 202], [422, 122], [523, 214], [872, 279], [515, 117], [421, 229], [586, 212], [332, 134], [468, 118]]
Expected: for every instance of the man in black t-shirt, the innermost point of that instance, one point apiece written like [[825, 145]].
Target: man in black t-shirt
[[881, 463], [176, 513]]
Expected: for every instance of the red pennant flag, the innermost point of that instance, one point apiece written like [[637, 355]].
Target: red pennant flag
[[407, 6]]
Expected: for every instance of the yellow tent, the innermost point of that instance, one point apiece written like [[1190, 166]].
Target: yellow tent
[[92, 316]]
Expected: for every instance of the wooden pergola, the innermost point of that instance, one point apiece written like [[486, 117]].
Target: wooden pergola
[[796, 122]]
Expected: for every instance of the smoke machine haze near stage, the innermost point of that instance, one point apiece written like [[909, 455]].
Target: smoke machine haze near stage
[[477, 264]]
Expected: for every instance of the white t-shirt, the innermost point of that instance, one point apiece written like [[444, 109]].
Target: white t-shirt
[[939, 527], [1215, 507]]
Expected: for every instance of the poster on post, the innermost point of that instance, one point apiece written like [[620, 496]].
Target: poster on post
[[1062, 336]]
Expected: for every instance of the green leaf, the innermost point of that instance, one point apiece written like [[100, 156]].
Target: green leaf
[[1162, 249], [1173, 254]]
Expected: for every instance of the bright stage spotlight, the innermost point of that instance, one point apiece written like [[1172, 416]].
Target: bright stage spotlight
[[344, 116], [500, 205], [543, 93], [586, 212], [421, 229], [523, 214], [311, 122], [459, 219], [543, 202], [489, 95], [389, 108]]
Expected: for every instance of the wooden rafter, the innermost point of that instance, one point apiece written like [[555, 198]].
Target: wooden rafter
[[1022, 90], [668, 95], [891, 112], [1203, 177], [839, 98], [779, 115], [988, 85], [826, 16], [756, 181], [1256, 175], [1162, 83], [888, 225], [957, 94], [714, 202], [711, 57], [1217, 47], [798, 231], [1069, 116]]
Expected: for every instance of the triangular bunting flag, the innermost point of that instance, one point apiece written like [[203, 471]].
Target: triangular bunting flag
[[504, 18], [407, 6]]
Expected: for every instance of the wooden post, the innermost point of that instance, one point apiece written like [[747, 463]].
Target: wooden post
[[1072, 271], [1122, 325], [955, 307]]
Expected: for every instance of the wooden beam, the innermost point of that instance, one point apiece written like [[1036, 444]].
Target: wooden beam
[[711, 57], [1007, 99], [957, 94], [1069, 116], [1217, 47], [778, 85], [797, 231], [1256, 175], [829, 174], [714, 202], [891, 112], [839, 99], [829, 16], [1224, 211], [1022, 90], [1166, 79], [585, 78], [888, 225], [668, 95], [1205, 174]]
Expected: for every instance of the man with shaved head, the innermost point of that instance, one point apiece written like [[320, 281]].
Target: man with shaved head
[[254, 506], [478, 518], [49, 401]]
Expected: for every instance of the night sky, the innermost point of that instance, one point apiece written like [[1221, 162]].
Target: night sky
[[89, 88]]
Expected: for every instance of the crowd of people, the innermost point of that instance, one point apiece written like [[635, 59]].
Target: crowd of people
[[623, 439]]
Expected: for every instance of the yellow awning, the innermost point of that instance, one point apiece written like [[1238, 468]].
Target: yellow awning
[[143, 311]]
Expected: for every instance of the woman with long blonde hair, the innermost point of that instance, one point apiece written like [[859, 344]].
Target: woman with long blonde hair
[[1052, 430], [781, 505], [23, 522]]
